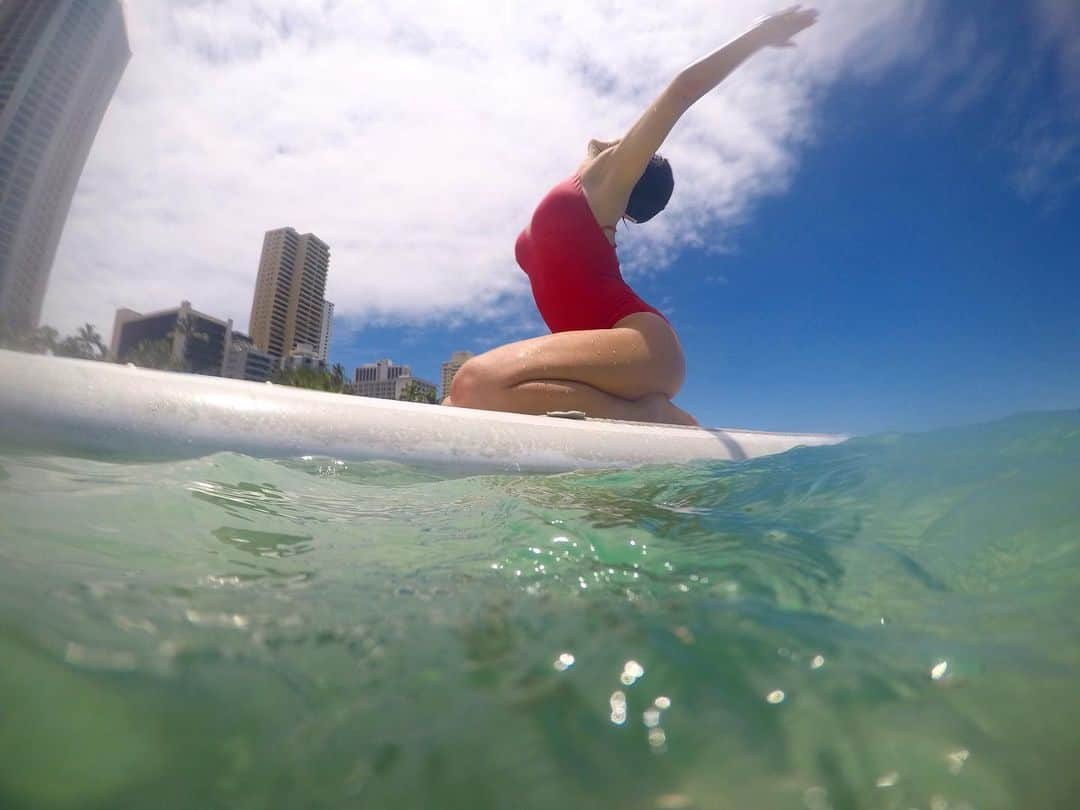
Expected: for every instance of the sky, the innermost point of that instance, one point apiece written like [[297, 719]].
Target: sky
[[878, 230]]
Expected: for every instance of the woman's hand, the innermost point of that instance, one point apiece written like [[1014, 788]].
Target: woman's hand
[[692, 83], [777, 30]]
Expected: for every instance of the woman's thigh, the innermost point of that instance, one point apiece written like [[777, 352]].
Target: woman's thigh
[[640, 355]]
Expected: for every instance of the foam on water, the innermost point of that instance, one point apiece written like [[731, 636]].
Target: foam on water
[[887, 623]]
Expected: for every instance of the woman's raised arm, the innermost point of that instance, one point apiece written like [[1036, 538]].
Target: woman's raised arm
[[631, 154]]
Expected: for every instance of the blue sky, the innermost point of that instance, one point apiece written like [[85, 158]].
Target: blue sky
[[907, 278]]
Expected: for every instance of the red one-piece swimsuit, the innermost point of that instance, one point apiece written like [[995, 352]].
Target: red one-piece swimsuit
[[573, 268]]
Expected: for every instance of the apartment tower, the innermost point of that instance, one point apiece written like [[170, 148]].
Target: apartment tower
[[327, 331], [288, 305], [450, 369], [60, 61]]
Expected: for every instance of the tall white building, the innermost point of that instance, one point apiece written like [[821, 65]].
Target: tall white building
[[327, 327], [60, 62], [450, 368], [384, 380], [379, 379], [304, 356]]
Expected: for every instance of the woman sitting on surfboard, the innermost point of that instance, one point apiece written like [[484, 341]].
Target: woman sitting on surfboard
[[610, 354]]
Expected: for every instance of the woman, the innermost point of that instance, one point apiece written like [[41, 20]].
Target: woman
[[610, 354]]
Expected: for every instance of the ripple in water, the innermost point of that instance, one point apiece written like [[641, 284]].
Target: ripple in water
[[887, 623]]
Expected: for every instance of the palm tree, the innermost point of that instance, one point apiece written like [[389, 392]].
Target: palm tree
[[85, 344], [93, 348], [187, 331], [309, 378], [185, 328], [338, 374], [413, 392], [155, 354]]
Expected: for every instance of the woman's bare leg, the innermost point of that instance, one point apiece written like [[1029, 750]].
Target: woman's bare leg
[[640, 355], [544, 396], [628, 372]]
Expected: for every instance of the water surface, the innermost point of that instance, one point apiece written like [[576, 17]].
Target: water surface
[[888, 623]]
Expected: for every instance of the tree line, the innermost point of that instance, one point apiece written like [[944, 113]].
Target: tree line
[[85, 344]]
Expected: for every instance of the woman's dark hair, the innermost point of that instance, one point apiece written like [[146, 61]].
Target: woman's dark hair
[[652, 192]]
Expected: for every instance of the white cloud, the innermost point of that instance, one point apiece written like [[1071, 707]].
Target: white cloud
[[1059, 22], [416, 137], [1028, 78], [1049, 146]]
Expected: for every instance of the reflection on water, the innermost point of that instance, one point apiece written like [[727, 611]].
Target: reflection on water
[[888, 623], [265, 544]]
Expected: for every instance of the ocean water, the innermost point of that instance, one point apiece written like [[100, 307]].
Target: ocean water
[[890, 623]]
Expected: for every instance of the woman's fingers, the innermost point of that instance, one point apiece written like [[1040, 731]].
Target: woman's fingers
[[804, 18], [782, 26]]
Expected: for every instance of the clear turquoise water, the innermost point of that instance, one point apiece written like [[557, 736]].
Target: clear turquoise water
[[889, 623]]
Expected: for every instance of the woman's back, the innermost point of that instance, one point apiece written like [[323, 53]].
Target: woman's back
[[571, 264]]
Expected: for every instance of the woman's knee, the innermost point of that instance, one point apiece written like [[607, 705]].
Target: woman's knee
[[663, 367], [474, 385]]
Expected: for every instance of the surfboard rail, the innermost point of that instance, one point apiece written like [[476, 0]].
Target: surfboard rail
[[119, 410]]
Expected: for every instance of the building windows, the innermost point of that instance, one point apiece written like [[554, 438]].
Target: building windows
[[49, 116]]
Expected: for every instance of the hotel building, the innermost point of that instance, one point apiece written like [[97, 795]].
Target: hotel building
[[451, 368], [289, 304], [327, 327], [384, 380], [245, 362]]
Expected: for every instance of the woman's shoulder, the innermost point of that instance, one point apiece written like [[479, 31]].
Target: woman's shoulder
[[594, 170], [607, 204]]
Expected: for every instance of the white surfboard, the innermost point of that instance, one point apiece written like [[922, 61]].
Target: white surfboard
[[121, 411]]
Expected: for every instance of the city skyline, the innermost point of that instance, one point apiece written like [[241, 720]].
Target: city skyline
[[291, 274], [209, 345]]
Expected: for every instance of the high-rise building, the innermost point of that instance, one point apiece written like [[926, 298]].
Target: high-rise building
[[327, 327], [60, 61], [384, 380], [200, 342], [381, 370], [288, 305], [450, 368]]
